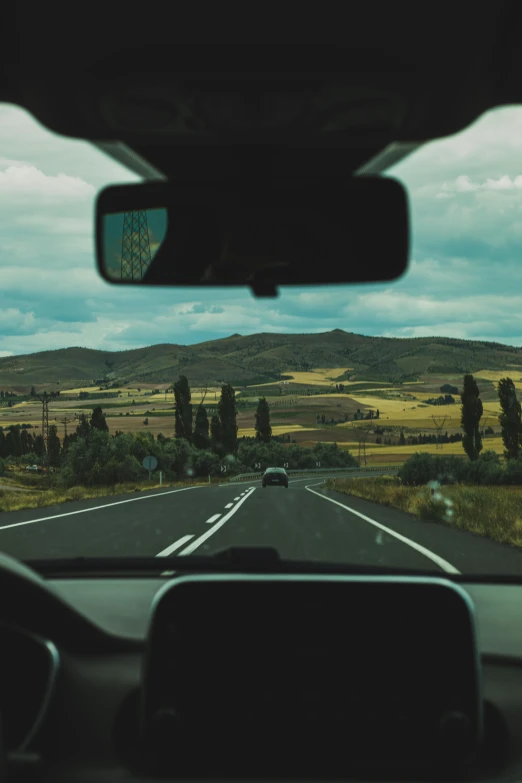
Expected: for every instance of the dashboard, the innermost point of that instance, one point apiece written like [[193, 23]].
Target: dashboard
[[74, 653]]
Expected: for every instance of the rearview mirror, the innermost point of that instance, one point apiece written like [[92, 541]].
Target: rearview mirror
[[264, 236]]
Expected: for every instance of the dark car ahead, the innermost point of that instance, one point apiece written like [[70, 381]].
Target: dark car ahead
[[275, 476]]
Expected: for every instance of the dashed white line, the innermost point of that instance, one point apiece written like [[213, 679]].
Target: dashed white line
[[229, 505], [201, 540], [421, 549], [238, 497], [212, 519], [176, 545]]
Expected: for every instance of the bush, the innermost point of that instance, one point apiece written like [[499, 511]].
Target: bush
[[2, 467], [487, 470], [513, 471], [422, 468], [274, 454]]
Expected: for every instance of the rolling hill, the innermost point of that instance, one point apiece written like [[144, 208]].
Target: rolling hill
[[262, 358]]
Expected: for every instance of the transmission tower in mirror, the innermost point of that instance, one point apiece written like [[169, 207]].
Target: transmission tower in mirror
[[135, 246]]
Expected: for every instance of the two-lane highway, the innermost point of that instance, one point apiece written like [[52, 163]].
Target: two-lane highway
[[303, 522]]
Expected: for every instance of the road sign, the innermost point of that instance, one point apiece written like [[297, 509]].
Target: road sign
[[150, 464], [285, 465], [317, 464], [257, 466], [223, 468]]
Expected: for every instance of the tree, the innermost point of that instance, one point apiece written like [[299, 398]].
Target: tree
[[227, 416], [510, 418], [66, 442], [402, 440], [33, 391], [183, 410], [13, 443], [471, 413], [98, 420], [26, 442], [39, 446], [83, 430], [53, 446], [201, 438], [216, 434], [262, 421], [3, 445]]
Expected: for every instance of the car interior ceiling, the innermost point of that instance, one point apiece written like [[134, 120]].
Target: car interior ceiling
[[386, 81]]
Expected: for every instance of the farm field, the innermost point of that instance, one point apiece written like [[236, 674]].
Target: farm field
[[296, 410]]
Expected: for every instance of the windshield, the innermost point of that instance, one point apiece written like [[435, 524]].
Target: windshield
[[141, 422]]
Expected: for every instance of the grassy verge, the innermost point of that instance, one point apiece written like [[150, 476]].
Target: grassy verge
[[493, 512], [17, 501]]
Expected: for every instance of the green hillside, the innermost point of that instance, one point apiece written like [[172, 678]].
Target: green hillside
[[260, 358]]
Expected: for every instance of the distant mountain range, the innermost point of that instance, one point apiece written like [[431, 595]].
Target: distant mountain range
[[261, 358]]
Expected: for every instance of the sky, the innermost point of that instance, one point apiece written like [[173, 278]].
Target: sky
[[464, 279]]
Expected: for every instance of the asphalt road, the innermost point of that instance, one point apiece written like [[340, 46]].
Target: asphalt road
[[301, 522]]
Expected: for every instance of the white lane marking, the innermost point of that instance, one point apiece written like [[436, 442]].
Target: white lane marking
[[201, 540], [98, 508], [176, 545], [212, 519], [421, 549], [229, 505], [237, 497]]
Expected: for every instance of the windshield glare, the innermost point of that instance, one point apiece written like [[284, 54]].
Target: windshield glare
[[391, 411]]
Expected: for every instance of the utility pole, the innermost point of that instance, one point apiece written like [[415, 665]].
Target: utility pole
[[45, 398], [361, 434], [439, 422], [65, 421]]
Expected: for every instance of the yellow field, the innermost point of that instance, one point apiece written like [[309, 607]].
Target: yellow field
[[491, 444], [515, 373], [318, 377], [277, 429], [81, 389], [333, 396]]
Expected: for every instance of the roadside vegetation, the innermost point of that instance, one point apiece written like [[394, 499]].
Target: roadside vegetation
[[483, 496], [17, 501]]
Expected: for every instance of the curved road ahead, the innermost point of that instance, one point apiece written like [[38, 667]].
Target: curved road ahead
[[302, 522]]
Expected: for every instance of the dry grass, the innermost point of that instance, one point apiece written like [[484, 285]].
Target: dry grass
[[17, 501], [492, 512]]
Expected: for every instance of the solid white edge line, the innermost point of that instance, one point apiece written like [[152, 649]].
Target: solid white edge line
[[450, 569], [212, 519], [174, 546], [97, 508], [201, 540]]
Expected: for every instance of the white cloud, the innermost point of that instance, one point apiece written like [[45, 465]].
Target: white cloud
[[25, 181]]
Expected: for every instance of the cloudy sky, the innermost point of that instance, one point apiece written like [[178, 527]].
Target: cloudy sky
[[465, 276]]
